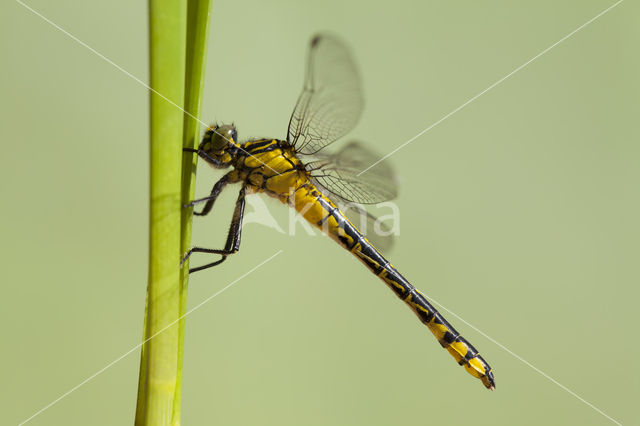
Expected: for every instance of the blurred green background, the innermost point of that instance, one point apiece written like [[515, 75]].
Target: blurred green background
[[519, 213]]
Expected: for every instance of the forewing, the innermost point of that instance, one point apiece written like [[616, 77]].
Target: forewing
[[339, 175], [331, 100]]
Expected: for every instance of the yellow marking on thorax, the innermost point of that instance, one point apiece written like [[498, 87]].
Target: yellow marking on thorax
[[274, 170], [259, 160]]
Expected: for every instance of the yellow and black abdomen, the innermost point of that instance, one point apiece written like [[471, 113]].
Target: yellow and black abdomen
[[271, 166], [325, 215]]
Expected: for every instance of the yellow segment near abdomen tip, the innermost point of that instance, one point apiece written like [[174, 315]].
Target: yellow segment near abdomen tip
[[476, 368], [458, 350]]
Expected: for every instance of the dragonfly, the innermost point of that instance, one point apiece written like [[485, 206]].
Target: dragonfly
[[298, 172]]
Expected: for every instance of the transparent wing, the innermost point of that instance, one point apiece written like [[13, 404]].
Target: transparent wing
[[339, 175], [331, 100]]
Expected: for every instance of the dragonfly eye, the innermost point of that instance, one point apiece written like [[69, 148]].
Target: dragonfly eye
[[218, 137]]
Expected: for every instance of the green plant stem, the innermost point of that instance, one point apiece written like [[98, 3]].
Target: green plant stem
[[198, 12], [160, 371]]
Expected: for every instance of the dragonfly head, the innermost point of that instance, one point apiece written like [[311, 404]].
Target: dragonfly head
[[219, 141]]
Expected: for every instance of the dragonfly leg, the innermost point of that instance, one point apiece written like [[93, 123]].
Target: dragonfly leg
[[202, 154], [233, 238], [215, 191]]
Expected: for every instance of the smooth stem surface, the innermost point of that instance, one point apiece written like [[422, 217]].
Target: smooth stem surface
[[198, 12], [160, 371]]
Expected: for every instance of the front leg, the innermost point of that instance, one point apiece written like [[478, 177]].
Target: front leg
[[206, 157]]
